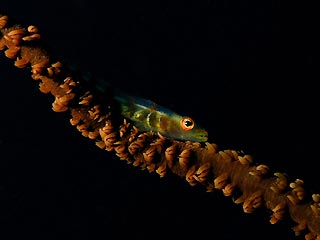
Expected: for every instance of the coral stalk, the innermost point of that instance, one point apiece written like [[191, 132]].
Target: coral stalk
[[233, 172]]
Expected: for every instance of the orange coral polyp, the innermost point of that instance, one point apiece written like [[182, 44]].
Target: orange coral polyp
[[208, 166]]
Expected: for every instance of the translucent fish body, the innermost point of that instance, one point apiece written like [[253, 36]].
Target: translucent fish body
[[148, 116]]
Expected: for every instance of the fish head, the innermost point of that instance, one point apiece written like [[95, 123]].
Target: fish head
[[183, 128]]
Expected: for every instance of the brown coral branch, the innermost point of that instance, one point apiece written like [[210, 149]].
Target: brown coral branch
[[234, 173]]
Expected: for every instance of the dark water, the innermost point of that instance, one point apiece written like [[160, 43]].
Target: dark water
[[243, 69]]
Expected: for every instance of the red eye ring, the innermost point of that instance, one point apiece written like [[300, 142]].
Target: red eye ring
[[187, 123]]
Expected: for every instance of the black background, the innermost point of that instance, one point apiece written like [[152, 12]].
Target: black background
[[246, 70]]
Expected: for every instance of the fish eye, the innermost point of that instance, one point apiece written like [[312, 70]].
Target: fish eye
[[187, 124]]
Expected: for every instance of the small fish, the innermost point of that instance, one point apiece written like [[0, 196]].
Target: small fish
[[148, 116]]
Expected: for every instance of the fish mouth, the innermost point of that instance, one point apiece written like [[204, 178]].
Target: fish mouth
[[201, 137]]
